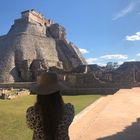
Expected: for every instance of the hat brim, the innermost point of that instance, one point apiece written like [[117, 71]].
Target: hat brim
[[36, 89]]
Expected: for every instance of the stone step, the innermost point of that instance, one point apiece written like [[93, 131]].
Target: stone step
[[87, 117]]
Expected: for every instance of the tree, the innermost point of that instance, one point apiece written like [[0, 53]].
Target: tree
[[112, 65]]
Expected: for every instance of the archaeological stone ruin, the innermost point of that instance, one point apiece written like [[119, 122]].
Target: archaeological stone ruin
[[35, 44]]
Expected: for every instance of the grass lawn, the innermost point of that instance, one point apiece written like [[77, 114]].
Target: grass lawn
[[12, 115]]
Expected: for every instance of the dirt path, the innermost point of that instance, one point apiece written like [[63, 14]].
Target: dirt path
[[115, 117]]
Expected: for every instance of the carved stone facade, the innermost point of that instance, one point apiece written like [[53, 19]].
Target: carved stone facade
[[36, 17]]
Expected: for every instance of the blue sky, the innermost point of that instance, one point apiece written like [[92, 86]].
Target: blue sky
[[104, 30]]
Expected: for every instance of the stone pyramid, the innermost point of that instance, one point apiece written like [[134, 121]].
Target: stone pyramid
[[34, 44]]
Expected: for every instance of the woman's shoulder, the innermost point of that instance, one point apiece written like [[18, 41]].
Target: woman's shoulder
[[32, 117], [69, 106], [30, 113], [69, 109], [30, 109]]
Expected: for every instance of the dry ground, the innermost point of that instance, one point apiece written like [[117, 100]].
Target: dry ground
[[115, 117]]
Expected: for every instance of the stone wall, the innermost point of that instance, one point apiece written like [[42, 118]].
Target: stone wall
[[88, 80], [70, 91]]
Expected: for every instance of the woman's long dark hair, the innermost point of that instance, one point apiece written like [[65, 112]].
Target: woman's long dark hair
[[51, 108]]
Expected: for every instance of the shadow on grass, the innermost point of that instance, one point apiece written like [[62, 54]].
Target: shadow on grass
[[90, 91]]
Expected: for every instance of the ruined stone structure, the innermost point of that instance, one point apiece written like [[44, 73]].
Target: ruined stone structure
[[129, 72], [35, 44], [126, 76]]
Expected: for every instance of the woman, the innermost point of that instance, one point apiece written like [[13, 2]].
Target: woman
[[49, 118]]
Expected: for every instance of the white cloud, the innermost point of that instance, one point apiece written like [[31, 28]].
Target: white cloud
[[91, 60], [128, 60], [131, 60], [120, 62], [128, 9], [138, 54], [101, 64], [114, 56], [83, 51], [134, 37]]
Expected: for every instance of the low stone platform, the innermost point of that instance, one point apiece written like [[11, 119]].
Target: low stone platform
[[69, 91], [114, 117]]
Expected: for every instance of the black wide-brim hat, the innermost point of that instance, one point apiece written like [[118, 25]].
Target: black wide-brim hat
[[47, 84]]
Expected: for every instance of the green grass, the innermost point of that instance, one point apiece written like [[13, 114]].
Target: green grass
[[12, 115]]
